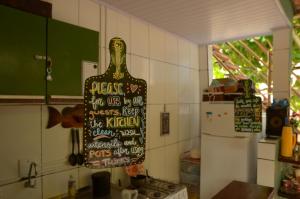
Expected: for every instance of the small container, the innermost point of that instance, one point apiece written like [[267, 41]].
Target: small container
[[101, 183], [138, 181], [71, 187]]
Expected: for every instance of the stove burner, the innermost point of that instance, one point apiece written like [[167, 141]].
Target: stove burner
[[156, 194], [171, 186]]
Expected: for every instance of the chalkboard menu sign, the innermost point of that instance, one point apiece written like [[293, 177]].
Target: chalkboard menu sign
[[248, 111], [115, 114]]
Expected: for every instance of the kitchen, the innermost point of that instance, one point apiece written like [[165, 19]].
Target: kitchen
[[176, 71]]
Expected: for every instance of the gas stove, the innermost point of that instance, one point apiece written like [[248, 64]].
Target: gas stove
[[158, 189]]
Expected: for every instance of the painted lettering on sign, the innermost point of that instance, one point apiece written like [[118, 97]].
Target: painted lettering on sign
[[248, 111], [115, 114]]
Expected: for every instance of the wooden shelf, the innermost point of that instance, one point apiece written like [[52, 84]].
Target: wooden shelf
[[288, 160]]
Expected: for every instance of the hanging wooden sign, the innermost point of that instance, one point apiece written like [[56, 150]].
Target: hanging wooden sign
[[248, 111], [115, 114]]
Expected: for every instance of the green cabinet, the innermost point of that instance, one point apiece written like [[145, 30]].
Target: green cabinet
[[22, 36], [25, 42], [68, 47]]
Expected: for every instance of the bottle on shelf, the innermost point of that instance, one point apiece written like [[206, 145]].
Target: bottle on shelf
[[71, 187]]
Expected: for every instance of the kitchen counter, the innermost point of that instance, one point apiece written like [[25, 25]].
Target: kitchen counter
[[87, 193], [237, 190], [153, 188]]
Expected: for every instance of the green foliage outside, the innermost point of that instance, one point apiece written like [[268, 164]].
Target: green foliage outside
[[256, 70]]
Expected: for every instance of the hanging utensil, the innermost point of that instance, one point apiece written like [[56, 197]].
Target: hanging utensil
[[73, 157], [80, 157]]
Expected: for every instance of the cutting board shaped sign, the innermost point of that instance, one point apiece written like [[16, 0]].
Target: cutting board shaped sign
[[114, 114], [248, 111]]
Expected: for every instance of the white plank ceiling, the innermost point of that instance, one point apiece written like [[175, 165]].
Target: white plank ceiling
[[207, 21]]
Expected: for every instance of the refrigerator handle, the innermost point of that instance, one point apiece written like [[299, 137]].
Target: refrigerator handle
[[220, 136]]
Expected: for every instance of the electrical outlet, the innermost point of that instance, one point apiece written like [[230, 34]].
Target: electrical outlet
[[24, 166]]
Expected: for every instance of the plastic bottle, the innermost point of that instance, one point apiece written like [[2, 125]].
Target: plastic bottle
[[71, 187]]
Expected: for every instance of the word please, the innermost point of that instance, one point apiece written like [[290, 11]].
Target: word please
[[106, 88]]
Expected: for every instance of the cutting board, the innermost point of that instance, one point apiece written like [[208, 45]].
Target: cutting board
[[248, 111]]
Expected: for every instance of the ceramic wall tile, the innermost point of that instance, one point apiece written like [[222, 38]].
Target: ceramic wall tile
[[89, 15], [184, 146], [282, 38], [84, 177], [184, 52], [194, 49], [191, 91], [156, 82], [171, 83], [157, 43], [20, 139], [107, 59], [147, 127], [195, 86], [195, 120], [139, 37], [103, 58], [171, 48], [55, 158], [57, 184], [102, 31], [146, 162], [66, 11], [172, 163], [119, 173], [203, 57], [157, 163], [117, 25], [184, 90], [18, 191], [195, 143], [140, 67], [173, 136], [184, 117], [111, 25], [155, 140], [203, 80]]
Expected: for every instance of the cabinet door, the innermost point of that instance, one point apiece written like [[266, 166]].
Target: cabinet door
[[68, 47], [22, 36]]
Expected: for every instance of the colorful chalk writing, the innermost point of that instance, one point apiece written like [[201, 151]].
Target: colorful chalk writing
[[248, 111], [115, 114]]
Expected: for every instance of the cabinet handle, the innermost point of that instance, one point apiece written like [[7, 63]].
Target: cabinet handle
[[48, 65]]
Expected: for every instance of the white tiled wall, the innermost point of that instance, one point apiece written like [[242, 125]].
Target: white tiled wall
[[169, 64]]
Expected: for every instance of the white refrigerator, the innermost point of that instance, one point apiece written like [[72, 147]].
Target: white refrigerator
[[225, 154]]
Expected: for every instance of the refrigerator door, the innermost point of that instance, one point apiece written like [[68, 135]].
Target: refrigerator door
[[224, 159], [217, 118]]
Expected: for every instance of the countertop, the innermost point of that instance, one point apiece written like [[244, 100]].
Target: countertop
[[238, 190], [86, 193]]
